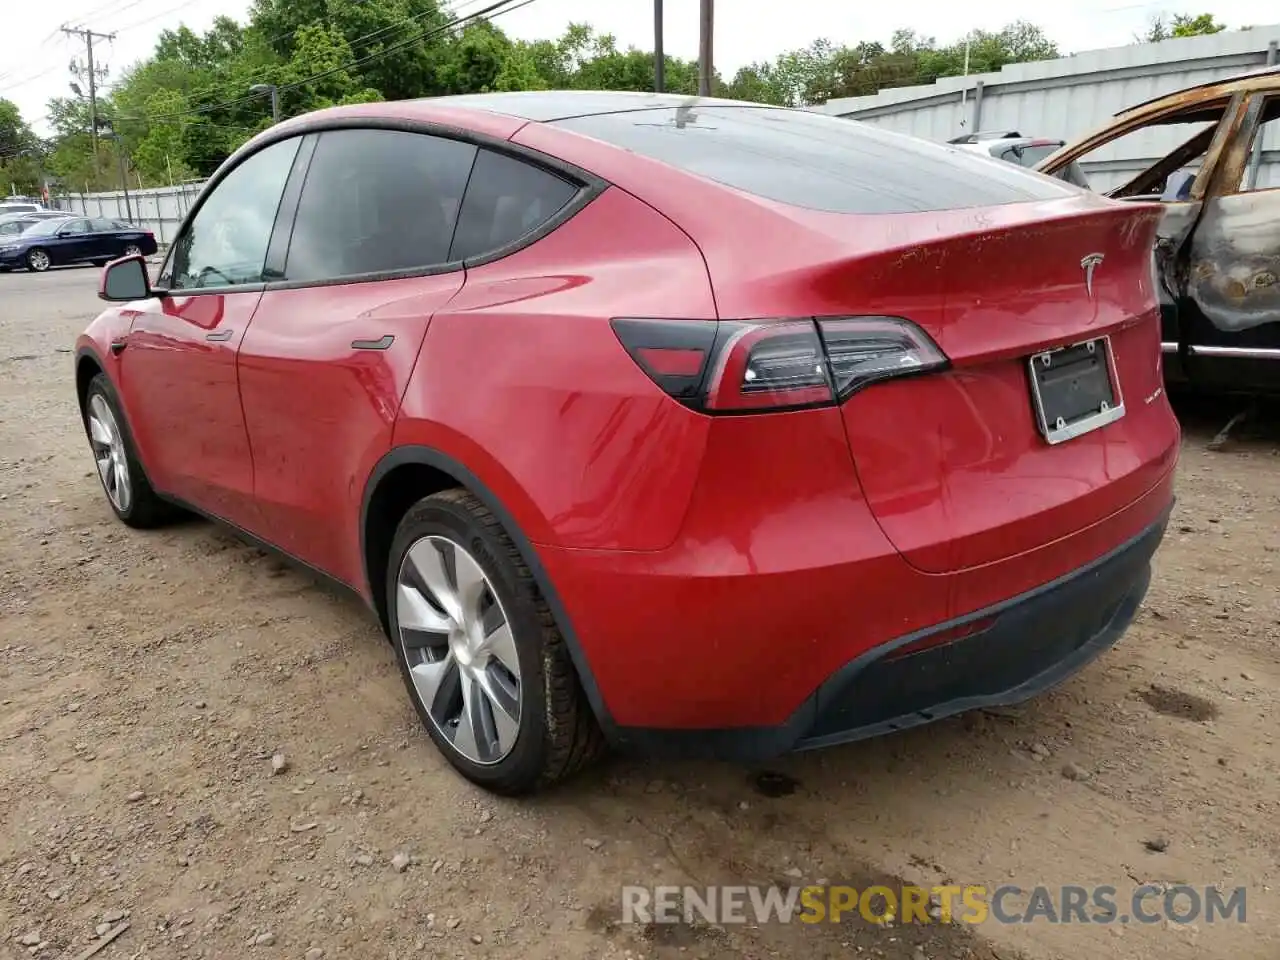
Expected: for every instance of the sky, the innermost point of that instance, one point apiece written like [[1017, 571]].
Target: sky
[[35, 54]]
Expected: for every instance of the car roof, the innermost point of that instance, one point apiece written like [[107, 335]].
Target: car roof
[[545, 106], [1252, 79], [991, 144], [983, 136]]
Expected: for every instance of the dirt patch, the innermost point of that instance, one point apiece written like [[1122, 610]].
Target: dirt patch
[[1175, 703], [147, 681]]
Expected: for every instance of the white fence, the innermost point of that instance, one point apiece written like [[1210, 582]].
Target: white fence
[[159, 209], [1071, 96]]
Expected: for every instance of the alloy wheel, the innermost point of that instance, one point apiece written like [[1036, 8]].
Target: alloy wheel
[[458, 645], [38, 260], [132, 250], [109, 453]]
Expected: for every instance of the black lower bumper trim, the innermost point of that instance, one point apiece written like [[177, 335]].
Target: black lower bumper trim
[[1017, 649]]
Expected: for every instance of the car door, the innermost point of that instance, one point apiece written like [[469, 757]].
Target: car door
[[104, 239], [178, 362], [71, 243], [1232, 308], [325, 364]]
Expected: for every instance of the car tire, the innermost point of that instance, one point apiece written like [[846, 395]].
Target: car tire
[[128, 492], [38, 260], [454, 570], [132, 250]]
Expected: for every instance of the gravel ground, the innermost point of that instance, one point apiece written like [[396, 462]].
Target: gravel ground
[[147, 681]]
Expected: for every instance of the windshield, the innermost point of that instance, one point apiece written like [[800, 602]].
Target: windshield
[[44, 228]]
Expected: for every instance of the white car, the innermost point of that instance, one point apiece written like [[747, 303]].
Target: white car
[[1012, 147], [20, 205]]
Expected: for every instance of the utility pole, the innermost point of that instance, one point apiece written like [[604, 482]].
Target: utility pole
[[659, 58], [124, 181], [272, 89], [88, 36], [705, 68]]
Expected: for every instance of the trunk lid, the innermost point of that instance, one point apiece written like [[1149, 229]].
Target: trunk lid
[[957, 467]]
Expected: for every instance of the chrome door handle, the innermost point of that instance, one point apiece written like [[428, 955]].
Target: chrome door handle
[[220, 336]]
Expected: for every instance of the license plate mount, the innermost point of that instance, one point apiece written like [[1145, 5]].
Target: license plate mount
[[1075, 389]]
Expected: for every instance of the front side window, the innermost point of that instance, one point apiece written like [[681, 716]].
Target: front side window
[[75, 227], [1120, 165], [506, 199], [226, 243], [377, 201], [1258, 173]]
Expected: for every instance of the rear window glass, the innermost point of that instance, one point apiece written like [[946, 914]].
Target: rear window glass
[[815, 161], [1031, 154]]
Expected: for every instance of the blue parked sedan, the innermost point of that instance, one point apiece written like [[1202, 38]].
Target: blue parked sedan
[[73, 240]]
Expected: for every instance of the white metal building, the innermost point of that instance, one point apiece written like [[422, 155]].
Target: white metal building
[[1070, 96]]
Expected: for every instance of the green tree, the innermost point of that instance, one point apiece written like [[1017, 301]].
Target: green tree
[[15, 135], [188, 106], [402, 67], [520, 70], [161, 154], [21, 153], [1182, 25], [759, 83], [474, 61]]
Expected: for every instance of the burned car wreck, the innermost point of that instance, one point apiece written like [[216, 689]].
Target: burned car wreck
[[1218, 249]]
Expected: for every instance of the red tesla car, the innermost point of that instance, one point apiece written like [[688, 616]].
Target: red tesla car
[[676, 424]]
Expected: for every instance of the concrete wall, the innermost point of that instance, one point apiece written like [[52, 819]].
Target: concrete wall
[[1068, 97]]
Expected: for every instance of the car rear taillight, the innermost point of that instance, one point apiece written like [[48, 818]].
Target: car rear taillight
[[734, 366]]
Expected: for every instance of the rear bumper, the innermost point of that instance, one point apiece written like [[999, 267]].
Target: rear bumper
[[1008, 652]]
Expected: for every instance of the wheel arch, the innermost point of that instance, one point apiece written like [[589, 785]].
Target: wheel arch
[[410, 472], [88, 366]]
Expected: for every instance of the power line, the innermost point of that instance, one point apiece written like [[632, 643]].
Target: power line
[[15, 84], [156, 16], [425, 35], [493, 10], [373, 35]]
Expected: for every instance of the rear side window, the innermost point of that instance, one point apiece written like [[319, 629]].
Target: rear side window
[[506, 199], [376, 201], [815, 161]]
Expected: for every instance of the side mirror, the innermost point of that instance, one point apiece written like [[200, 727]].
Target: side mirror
[[124, 280]]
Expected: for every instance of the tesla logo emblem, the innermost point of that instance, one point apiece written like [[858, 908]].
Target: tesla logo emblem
[[1087, 265]]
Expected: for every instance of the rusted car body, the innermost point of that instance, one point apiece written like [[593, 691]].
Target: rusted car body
[[1218, 249]]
